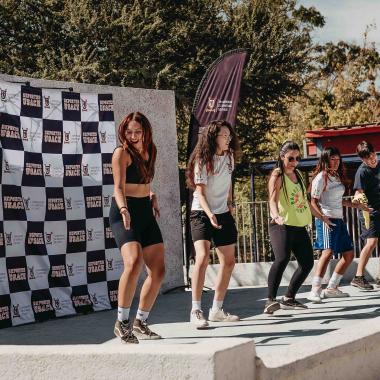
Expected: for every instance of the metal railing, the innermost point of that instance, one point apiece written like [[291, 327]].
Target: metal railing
[[252, 222]]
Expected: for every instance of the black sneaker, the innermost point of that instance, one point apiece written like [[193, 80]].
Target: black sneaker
[[271, 306], [361, 283], [291, 304], [123, 330], [142, 331]]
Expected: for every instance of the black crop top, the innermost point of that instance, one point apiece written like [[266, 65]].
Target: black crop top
[[133, 174]]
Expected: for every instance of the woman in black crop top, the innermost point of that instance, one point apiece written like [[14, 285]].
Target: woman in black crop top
[[133, 222]]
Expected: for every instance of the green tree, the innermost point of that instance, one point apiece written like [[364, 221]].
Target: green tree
[[166, 45]]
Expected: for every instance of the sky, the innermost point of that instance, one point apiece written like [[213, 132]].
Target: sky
[[347, 20]]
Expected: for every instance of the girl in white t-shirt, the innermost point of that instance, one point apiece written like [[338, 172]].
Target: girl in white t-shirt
[[209, 175], [327, 189]]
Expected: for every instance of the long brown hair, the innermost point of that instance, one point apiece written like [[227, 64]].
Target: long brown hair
[[205, 150], [286, 147], [323, 166], [146, 170]]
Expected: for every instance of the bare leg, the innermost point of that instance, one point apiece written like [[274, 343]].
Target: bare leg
[[365, 255], [344, 262], [132, 258], [226, 255], [202, 253], [323, 262], [154, 259]]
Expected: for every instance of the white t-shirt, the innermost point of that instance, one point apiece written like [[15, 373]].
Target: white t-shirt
[[217, 184], [330, 199]]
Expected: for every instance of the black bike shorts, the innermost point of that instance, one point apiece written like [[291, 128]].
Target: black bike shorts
[[144, 228]]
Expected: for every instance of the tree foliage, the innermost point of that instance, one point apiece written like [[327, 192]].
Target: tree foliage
[[166, 44]]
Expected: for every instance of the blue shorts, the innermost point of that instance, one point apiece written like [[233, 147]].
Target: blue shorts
[[337, 238]]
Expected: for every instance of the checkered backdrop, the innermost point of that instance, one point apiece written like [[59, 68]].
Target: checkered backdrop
[[57, 253]]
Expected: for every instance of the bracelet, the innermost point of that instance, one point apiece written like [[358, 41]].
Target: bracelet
[[121, 208]]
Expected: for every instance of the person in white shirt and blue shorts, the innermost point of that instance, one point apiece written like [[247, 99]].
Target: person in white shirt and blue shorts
[[328, 187]]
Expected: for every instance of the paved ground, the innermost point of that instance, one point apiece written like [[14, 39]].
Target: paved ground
[[171, 314]]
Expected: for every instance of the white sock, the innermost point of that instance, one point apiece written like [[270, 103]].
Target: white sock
[[123, 313], [334, 280], [196, 305], [217, 305], [142, 315], [317, 282]]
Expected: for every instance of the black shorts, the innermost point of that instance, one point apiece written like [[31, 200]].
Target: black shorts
[[201, 228], [374, 225], [144, 228]]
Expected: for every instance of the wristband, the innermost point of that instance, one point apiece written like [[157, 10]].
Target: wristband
[[121, 208]]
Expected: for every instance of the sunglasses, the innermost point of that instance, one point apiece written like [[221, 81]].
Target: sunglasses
[[291, 159]]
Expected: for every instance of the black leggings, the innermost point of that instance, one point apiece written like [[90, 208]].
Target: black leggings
[[286, 239]]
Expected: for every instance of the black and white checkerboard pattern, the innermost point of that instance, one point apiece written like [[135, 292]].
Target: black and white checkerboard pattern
[[57, 253]]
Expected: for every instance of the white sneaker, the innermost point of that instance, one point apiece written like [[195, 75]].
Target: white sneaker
[[334, 293], [197, 319], [221, 316], [315, 295]]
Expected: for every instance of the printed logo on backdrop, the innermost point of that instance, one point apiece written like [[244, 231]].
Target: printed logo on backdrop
[[42, 305], [107, 200], [91, 169], [109, 237], [106, 107], [2, 240], [12, 166], [76, 236], [72, 175], [66, 137], [31, 102], [24, 134], [21, 308], [52, 136], [47, 102], [33, 170], [95, 234], [113, 292], [72, 137], [61, 300], [69, 204], [10, 134], [55, 204], [96, 266], [58, 276], [5, 311], [71, 106], [13, 203], [57, 304], [93, 201], [34, 239], [76, 268], [107, 168], [84, 105], [55, 237], [81, 299], [17, 274], [90, 138], [103, 137], [3, 94]]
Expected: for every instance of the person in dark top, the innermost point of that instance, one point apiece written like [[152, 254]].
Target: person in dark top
[[133, 213], [367, 186]]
